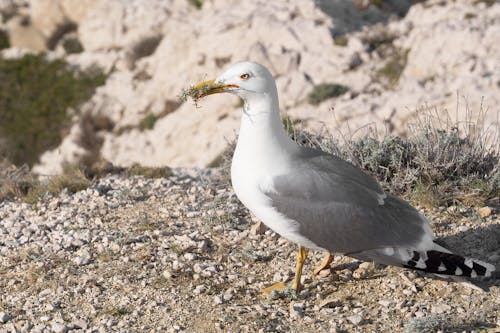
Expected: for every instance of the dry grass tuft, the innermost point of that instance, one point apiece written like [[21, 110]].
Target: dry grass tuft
[[15, 181], [442, 323], [21, 183]]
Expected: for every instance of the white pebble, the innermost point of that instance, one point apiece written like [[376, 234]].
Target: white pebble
[[4, 317], [355, 319], [59, 328]]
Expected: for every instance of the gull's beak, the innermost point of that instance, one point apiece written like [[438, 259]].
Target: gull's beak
[[206, 88]]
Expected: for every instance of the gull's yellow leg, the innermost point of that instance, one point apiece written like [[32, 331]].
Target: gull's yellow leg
[[281, 286], [325, 263], [301, 258]]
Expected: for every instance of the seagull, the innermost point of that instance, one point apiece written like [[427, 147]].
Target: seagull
[[317, 200]]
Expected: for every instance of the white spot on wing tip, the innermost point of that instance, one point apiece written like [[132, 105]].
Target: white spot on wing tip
[[458, 271], [421, 264], [441, 268], [381, 198], [388, 251]]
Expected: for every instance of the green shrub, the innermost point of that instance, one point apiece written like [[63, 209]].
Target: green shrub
[[34, 97], [340, 41], [196, 3], [393, 68], [324, 91], [148, 122], [149, 172], [72, 45], [4, 40], [433, 166]]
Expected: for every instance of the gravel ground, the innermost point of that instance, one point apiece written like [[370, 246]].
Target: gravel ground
[[181, 254]]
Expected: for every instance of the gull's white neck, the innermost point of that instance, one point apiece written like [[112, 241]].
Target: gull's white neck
[[262, 140]]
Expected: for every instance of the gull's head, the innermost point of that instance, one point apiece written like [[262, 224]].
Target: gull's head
[[244, 79]]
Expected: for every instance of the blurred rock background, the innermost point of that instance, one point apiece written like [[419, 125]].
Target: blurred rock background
[[344, 66]]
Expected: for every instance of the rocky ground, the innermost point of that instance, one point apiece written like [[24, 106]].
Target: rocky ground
[[181, 254]]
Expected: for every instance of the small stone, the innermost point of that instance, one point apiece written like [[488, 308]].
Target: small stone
[[362, 271], [355, 319], [484, 211], [494, 257], [385, 302], [189, 256], [419, 314], [296, 310], [217, 300], [203, 245], [197, 268], [4, 317], [407, 292], [199, 289], [81, 261], [277, 277], [59, 328], [177, 265], [258, 228], [330, 303], [83, 257], [324, 273], [193, 214], [228, 295], [440, 308], [167, 274], [79, 324]]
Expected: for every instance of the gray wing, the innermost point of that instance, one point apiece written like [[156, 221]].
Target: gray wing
[[339, 207]]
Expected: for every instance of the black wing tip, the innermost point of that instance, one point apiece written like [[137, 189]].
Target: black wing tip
[[450, 264]]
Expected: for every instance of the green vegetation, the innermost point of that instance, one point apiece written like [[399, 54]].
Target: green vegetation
[[116, 311], [4, 40], [340, 41], [72, 45], [196, 3], [434, 166], [324, 91], [393, 68], [148, 122], [34, 97], [149, 172], [469, 16]]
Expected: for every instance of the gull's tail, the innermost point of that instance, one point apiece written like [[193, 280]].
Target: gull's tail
[[448, 264], [438, 260]]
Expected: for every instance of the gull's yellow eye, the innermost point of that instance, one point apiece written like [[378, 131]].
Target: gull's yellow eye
[[244, 76]]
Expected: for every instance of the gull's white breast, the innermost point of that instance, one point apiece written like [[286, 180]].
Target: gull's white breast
[[251, 179]]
